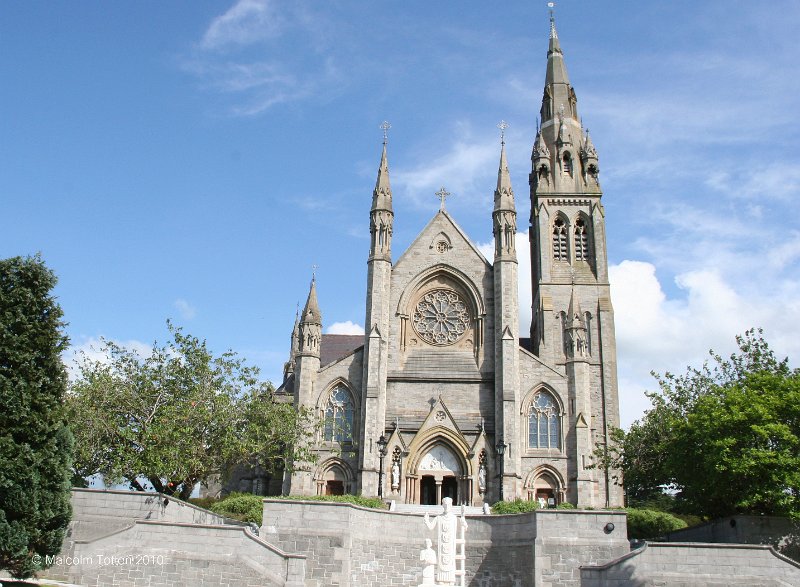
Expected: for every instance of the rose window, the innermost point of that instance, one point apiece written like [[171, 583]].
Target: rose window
[[441, 317]]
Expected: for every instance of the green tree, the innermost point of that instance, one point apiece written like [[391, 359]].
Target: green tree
[[177, 416], [35, 443], [725, 437]]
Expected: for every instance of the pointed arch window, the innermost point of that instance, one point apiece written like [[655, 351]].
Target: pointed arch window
[[560, 249], [339, 416], [581, 240], [544, 422], [567, 167]]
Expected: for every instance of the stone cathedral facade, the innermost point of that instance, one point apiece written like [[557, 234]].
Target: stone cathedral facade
[[442, 373]]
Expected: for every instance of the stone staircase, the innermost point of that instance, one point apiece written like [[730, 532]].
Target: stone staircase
[[433, 510]]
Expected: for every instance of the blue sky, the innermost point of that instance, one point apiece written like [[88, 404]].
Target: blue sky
[[193, 161]]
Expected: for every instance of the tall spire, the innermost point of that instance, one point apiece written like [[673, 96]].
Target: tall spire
[[382, 194], [558, 90], [505, 213], [504, 194], [381, 217], [311, 313]]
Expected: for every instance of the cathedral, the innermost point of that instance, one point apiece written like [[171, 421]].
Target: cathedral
[[442, 397]]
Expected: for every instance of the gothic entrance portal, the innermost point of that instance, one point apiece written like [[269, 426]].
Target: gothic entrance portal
[[439, 472]]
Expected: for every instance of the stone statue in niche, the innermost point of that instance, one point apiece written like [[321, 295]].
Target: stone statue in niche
[[395, 476], [482, 478], [428, 557], [451, 532]]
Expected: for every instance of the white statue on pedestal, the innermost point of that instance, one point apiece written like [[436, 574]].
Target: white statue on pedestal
[[428, 556], [450, 531]]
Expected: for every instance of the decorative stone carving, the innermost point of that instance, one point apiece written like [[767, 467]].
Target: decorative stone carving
[[441, 317], [428, 556], [440, 458], [482, 472], [451, 531]]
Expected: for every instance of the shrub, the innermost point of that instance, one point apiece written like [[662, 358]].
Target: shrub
[[650, 524], [518, 506], [241, 506], [565, 505], [367, 502]]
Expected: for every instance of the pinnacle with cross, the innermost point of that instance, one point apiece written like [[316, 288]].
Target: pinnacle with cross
[[442, 194], [385, 126], [503, 125]]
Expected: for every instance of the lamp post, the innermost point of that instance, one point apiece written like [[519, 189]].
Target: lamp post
[[382, 442], [501, 450]]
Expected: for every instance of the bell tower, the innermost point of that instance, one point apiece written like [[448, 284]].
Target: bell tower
[[573, 321]]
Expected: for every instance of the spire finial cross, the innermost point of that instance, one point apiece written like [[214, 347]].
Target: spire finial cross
[[551, 6], [442, 193], [503, 125], [385, 126], [314, 272]]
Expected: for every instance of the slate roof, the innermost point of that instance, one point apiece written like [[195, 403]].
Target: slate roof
[[337, 346]]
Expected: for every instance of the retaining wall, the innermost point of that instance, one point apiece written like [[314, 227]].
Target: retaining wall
[[135, 539], [349, 545], [782, 533], [695, 565]]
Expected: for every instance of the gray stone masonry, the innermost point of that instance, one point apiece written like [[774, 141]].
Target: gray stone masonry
[[130, 538], [781, 533], [695, 565], [353, 546]]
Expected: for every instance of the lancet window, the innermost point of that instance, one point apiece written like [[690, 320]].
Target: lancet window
[[544, 422], [567, 167], [581, 241], [339, 416], [560, 249]]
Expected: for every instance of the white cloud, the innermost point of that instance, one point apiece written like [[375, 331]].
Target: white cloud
[[186, 310], [244, 53], [91, 349], [656, 333], [346, 327], [466, 169], [524, 278], [248, 21]]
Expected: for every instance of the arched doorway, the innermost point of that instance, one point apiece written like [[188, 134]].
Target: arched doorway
[[439, 471], [546, 489], [333, 479]]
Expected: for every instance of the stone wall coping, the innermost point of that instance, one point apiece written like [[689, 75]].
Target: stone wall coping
[[616, 561], [148, 494], [104, 536], [531, 514], [693, 545], [244, 529]]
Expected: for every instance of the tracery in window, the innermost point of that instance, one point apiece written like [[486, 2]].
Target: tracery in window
[[544, 422], [339, 416], [441, 317], [560, 252], [581, 241]]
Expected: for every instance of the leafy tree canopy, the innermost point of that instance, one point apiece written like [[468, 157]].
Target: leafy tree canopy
[[35, 444], [178, 416], [725, 437]]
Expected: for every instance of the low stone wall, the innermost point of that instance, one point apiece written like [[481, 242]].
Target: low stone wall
[[782, 533], [353, 546], [696, 565], [168, 553], [133, 539]]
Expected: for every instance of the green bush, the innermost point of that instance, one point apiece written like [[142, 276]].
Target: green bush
[[565, 505], [203, 502], [650, 524], [518, 506], [367, 502], [241, 506]]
